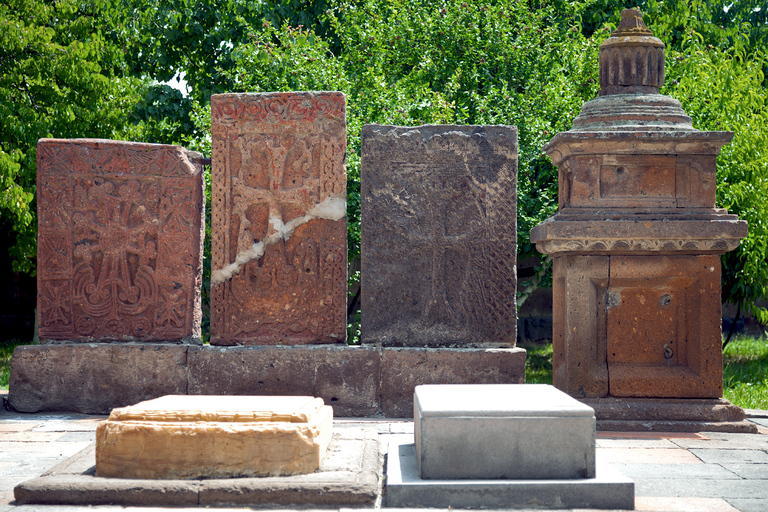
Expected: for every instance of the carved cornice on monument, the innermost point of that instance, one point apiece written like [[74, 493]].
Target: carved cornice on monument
[[572, 233]]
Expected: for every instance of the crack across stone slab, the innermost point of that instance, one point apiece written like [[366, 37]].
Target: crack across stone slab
[[332, 208]]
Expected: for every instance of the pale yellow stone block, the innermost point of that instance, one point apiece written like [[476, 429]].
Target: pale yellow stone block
[[186, 437]]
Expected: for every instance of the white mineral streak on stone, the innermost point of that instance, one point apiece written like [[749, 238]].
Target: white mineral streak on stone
[[333, 208]]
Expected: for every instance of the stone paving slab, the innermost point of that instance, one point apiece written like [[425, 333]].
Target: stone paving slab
[[349, 476], [648, 455], [749, 471], [639, 472], [702, 488], [715, 440], [750, 505], [718, 456], [683, 505]]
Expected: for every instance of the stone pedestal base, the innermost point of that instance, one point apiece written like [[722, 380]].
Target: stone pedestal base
[[609, 489], [187, 437], [669, 415], [356, 381], [349, 476], [501, 431]]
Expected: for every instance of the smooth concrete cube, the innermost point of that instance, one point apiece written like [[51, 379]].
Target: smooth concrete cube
[[185, 437], [502, 431]]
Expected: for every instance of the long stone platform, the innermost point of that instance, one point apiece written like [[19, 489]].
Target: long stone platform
[[357, 381]]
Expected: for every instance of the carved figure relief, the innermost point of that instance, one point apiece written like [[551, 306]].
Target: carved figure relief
[[119, 241], [279, 244], [439, 235]]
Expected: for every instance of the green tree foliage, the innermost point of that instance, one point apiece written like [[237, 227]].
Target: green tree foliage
[[530, 63], [734, 99], [436, 62], [58, 79]]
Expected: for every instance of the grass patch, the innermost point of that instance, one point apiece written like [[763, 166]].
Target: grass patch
[[6, 351], [745, 372], [538, 364]]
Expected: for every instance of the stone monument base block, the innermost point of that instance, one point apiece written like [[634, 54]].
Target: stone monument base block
[[502, 431], [94, 378], [669, 415], [187, 437], [348, 477], [405, 488]]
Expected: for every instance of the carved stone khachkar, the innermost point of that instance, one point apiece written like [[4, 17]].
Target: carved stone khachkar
[[636, 243], [279, 218], [439, 224], [119, 241]]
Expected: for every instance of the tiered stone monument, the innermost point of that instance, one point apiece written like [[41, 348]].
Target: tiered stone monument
[[438, 252], [501, 446], [279, 218], [635, 247]]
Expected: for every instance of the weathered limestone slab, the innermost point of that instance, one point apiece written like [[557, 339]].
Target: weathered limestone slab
[[94, 378], [188, 437], [348, 476], [119, 241], [439, 235], [402, 369], [609, 489], [279, 218], [502, 431]]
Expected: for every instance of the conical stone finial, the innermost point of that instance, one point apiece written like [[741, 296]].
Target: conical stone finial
[[631, 59], [631, 73]]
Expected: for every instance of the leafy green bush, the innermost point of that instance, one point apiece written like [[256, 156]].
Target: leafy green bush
[[60, 78]]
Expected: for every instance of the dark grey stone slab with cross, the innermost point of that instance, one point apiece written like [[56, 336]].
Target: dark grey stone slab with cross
[[439, 235]]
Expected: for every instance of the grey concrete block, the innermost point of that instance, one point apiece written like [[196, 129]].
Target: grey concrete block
[[504, 431], [405, 488]]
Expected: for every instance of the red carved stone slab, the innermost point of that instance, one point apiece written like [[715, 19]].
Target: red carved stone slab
[[439, 235], [120, 227], [279, 245]]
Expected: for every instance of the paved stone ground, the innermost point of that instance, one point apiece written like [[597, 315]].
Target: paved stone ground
[[707, 472]]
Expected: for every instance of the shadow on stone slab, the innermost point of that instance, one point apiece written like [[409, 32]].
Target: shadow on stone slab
[[348, 476], [406, 489]]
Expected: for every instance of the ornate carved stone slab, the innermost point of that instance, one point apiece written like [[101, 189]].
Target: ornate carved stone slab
[[279, 218], [119, 241], [439, 235]]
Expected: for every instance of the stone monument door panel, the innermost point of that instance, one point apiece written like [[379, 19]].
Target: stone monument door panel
[[656, 321]]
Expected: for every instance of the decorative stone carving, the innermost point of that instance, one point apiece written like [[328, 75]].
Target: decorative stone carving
[[439, 220], [119, 241], [279, 218], [635, 243]]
